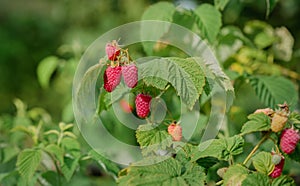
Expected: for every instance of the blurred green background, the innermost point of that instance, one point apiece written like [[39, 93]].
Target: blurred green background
[[34, 29]]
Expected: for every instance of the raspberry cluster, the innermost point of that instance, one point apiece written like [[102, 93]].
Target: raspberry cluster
[[120, 65], [288, 139]]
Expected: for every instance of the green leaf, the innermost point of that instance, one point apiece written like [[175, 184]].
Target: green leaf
[[256, 179], [263, 40], [214, 71], [87, 84], [261, 32], [209, 21], [56, 151], [185, 18], [283, 46], [234, 175], [167, 172], [184, 152], [263, 162], [219, 148], [28, 161], [283, 181], [193, 69], [294, 119], [45, 69], [51, 178], [155, 82], [153, 138], [69, 167], [257, 122], [7, 153], [162, 11], [221, 4], [273, 90], [270, 6], [187, 80], [71, 146], [106, 164]]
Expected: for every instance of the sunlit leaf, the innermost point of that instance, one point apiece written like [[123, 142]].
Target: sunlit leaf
[[209, 21], [45, 70], [219, 148], [257, 122], [28, 161], [263, 162], [167, 172], [234, 175]]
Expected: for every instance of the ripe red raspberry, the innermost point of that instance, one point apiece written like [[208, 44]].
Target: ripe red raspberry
[[142, 105], [112, 78], [175, 130], [288, 140], [112, 50], [130, 75], [278, 168]]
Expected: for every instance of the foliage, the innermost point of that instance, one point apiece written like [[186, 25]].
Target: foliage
[[255, 57]]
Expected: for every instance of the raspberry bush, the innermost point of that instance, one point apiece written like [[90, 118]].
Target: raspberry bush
[[166, 103]]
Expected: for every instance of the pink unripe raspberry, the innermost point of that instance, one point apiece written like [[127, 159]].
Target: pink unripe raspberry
[[130, 75], [142, 105], [112, 50], [266, 111], [175, 130], [288, 140]]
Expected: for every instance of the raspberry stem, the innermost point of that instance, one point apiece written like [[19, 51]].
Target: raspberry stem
[[266, 136]]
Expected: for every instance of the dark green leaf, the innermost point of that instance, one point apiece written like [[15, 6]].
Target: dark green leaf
[[51, 177], [106, 164], [263, 162], [256, 179], [257, 122], [207, 162], [69, 167], [296, 154], [273, 90], [270, 6]]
